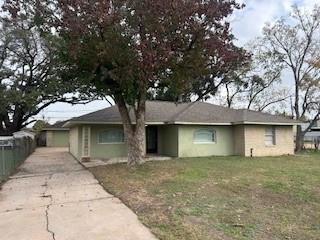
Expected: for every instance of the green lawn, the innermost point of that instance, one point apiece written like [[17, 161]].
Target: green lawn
[[222, 197]]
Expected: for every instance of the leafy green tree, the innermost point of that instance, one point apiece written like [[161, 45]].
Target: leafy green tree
[[30, 78], [166, 94], [126, 48], [40, 125]]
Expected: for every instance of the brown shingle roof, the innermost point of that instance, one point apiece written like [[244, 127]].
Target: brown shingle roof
[[196, 112]]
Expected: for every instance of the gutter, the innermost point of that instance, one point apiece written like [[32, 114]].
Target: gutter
[[55, 129], [267, 123], [199, 123], [73, 123]]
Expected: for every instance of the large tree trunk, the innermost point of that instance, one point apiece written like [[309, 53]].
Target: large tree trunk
[[299, 139], [299, 134], [8, 127], [136, 145], [134, 131]]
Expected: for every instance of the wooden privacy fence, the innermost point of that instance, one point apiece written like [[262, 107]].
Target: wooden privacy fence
[[13, 152]]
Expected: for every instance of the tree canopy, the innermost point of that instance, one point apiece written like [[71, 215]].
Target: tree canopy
[[257, 85], [31, 73], [296, 42], [126, 48]]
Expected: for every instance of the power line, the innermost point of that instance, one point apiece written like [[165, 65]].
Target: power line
[[66, 111]]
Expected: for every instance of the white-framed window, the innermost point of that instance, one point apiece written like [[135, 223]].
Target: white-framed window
[[111, 136], [204, 136], [270, 136]]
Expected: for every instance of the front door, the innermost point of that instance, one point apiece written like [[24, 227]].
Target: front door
[[152, 139]]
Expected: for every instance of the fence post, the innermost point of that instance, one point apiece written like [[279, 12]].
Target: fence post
[[3, 163]]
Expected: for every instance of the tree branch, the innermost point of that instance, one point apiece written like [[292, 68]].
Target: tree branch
[[27, 123], [273, 102], [314, 120]]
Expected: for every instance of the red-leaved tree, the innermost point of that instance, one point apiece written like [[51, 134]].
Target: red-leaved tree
[[126, 48]]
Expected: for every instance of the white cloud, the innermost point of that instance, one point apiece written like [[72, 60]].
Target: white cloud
[[248, 22], [65, 111]]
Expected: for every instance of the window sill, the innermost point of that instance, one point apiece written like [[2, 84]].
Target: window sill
[[270, 146], [115, 143], [204, 143]]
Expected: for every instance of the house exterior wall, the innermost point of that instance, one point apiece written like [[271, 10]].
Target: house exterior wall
[[239, 140], [105, 151], [80, 142], [75, 139], [57, 138], [177, 141], [222, 147], [253, 137], [49, 137], [168, 140]]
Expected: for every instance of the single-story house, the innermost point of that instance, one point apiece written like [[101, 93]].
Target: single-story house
[[312, 137], [25, 133], [57, 135], [184, 130]]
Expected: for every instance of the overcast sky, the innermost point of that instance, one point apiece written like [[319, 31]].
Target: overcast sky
[[246, 25]]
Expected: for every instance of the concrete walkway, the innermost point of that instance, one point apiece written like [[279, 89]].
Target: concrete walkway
[[53, 197]]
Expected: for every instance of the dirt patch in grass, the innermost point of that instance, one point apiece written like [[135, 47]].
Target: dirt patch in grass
[[222, 197]]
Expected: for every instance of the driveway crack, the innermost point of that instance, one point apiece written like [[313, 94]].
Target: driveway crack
[[48, 225], [45, 195]]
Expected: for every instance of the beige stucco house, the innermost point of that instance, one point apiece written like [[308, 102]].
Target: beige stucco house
[[184, 130]]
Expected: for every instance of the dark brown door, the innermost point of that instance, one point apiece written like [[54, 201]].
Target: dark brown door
[[152, 139]]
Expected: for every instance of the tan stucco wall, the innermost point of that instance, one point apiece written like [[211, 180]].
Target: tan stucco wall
[[105, 151], [74, 142], [49, 138], [168, 140], [222, 147], [177, 141], [253, 137], [238, 140], [57, 138]]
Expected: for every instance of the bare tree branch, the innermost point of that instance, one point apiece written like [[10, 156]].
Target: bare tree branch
[[299, 44]]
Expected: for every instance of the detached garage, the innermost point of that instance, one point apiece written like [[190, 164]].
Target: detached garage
[[57, 135]]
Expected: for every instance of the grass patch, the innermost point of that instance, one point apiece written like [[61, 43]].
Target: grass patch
[[222, 197]]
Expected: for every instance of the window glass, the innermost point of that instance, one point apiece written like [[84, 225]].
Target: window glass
[[204, 136], [270, 136], [111, 136]]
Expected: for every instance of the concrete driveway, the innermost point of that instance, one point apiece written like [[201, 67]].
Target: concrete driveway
[[54, 197]]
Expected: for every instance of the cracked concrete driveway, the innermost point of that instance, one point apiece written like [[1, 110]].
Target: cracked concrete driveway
[[53, 197]]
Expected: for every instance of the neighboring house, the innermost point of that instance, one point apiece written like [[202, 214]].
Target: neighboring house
[[57, 135], [25, 133], [316, 127], [184, 130], [313, 136]]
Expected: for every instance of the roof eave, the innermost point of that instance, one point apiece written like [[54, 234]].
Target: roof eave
[[70, 124], [199, 123], [56, 129], [74, 123]]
